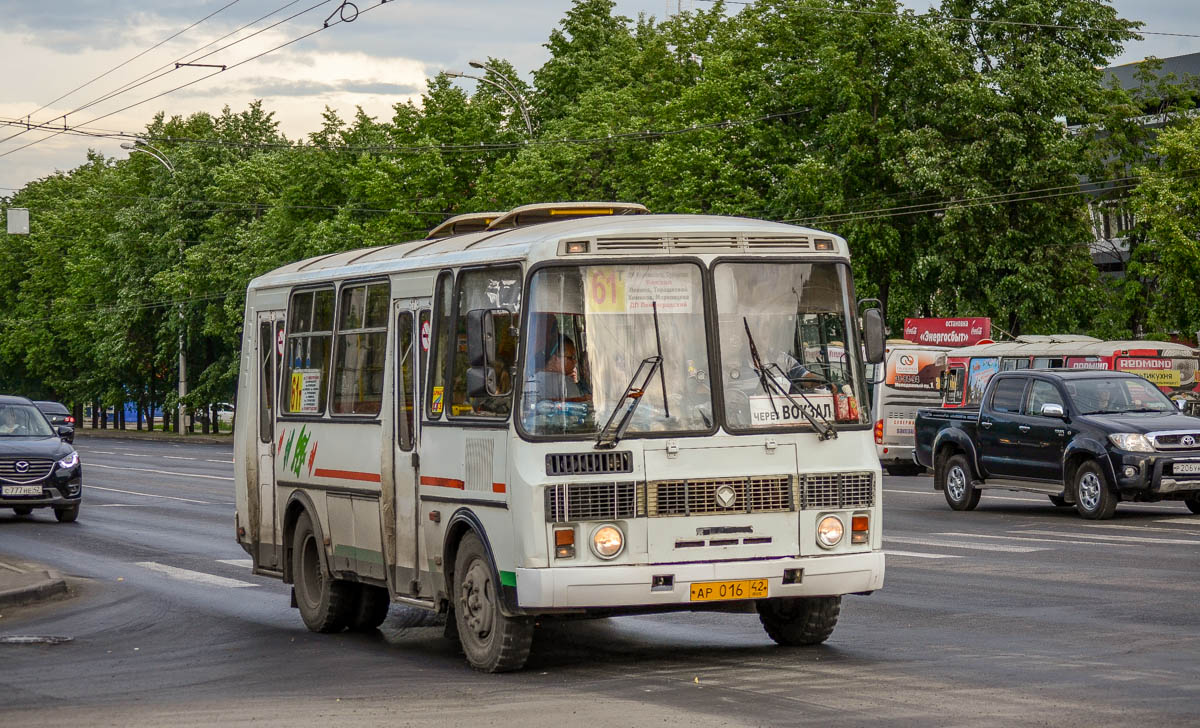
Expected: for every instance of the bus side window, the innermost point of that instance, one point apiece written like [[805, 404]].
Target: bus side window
[[361, 349], [310, 336], [485, 289], [266, 403], [406, 403], [955, 379]]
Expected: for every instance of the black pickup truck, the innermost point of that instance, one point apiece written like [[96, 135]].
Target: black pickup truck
[[1085, 438]]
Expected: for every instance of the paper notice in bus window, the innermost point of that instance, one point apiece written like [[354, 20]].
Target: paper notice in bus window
[[767, 413], [306, 391], [620, 290], [438, 398]]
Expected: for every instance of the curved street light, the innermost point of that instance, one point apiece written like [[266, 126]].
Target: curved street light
[[141, 145], [509, 90]]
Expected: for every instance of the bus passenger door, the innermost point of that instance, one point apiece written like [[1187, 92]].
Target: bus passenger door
[[270, 353], [409, 365]]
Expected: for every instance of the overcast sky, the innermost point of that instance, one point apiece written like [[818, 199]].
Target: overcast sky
[[49, 48]]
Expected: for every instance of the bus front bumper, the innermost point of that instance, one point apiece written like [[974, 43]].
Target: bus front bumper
[[629, 586]]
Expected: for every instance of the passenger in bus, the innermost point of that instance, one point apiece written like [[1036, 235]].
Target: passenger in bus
[[557, 378]]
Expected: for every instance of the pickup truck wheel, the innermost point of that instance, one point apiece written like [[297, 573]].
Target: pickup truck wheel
[[1193, 503], [1093, 498], [956, 484]]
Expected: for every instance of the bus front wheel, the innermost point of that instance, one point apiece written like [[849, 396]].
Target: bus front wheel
[[491, 641], [799, 621]]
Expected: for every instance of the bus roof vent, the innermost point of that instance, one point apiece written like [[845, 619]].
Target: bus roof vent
[[631, 243], [793, 242], [707, 243], [589, 463]]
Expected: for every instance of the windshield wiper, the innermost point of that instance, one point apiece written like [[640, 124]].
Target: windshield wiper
[[606, 440], [825, 429]]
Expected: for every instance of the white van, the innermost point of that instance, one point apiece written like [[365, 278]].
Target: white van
[[909, 378]]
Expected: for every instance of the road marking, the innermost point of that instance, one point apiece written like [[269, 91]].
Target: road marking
[[961, 545], [177, 457], [244, 563], [150, 495], [1193, 521], [197, 576], [1135, 539], [230, 462], [161, 472], [117, 505], [1141, 528], [989, 496], [919, 555], [1019, 538]]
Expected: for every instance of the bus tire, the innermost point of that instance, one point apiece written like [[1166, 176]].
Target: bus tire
[[901, 469], [1094, 500], [799, 621], [1192, 503], [324, 602], [490, 641], [956, 484], [370, 608]]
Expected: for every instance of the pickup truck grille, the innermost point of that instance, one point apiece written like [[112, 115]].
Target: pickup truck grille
[[1177, 441], [702, 496], [837, 490]]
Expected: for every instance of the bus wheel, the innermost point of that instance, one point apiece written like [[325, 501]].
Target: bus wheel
[[1193, 503], [956, 484], [799, 621], [324, 602], [1093, 499], [370, 608], [491, 641]]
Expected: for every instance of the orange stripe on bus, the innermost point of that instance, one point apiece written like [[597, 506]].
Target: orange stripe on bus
[[347, 475], [442, 482]]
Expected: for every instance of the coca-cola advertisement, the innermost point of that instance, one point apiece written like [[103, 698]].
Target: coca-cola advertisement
[[947, 331]]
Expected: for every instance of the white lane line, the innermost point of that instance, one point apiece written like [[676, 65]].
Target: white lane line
[[117, 505], [177, 457], [1019, 538], [1134, 539], [1193, 521], [197, 576], [1176, 531], [989, 496], [920, 555], [151, 495], [962, 545], [244, 563], [161, 472], [230, 462]]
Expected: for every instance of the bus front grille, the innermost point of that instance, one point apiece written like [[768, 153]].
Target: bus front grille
[[837, 490], [589, 463], [717, 496], [591, 501]]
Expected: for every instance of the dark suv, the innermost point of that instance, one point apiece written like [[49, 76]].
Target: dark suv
[[59, 417], [37, 469]]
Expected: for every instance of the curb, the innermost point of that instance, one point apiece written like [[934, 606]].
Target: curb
[[153, 436], [22, 583]]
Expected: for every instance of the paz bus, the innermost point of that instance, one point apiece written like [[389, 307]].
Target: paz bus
[[1170, 366], [577, 410], [909, 378]]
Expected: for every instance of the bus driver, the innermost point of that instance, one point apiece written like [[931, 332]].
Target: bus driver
[[557, 380]]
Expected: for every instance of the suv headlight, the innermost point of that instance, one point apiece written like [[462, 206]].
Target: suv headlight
[[69, 461], [1131, 441]]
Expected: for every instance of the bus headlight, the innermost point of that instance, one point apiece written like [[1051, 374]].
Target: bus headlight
[[607, 541], [830, 531]]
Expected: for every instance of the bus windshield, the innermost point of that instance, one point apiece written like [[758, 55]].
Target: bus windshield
[[589, 329], [795, 316]]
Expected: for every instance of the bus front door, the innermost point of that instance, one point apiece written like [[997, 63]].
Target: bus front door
[[262, 499], [411, 343]]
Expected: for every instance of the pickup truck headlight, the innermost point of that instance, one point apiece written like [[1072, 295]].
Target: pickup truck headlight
[[1132, 441]]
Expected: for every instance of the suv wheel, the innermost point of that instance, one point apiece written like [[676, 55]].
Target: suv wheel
[[1094, 500], [956, 484]]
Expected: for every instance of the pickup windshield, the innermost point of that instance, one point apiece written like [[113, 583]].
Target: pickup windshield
[[1118, 396], [590, 327], [797, 316]]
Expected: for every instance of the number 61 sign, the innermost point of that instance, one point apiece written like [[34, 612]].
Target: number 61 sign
[[605, 290]]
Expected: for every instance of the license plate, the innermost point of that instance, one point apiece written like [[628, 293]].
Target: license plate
[[1182, 468], [22, 490], [708, 591]]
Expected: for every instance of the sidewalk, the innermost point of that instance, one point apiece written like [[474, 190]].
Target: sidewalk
[[158, 435], [22, 582]]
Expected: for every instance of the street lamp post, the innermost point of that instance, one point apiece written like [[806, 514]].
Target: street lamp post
[[141, 145], [508, 87]]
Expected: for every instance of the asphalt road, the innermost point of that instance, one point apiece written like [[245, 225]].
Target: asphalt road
[[1016, 613]]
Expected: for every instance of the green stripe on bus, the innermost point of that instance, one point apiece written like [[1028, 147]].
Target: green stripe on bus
[[508, 578], [353, 552]]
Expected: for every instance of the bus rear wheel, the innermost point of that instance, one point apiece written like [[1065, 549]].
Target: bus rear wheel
[[799, 621], [324, 602], [370, 608], [491, 641]]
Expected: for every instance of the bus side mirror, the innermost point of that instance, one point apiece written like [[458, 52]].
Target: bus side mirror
[[873, 335], [482, 379]]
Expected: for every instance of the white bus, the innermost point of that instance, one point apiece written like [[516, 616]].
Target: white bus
[[909, 378], [612, 413]]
